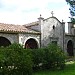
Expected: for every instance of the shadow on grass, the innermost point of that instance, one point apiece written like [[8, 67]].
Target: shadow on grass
[[68, 70]]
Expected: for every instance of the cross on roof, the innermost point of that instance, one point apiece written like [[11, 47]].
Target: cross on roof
[[62, 20], [40, 15], [52, 13]]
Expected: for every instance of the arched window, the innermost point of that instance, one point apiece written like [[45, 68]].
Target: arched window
[[70, 48], [31, 44], [4, 42], [53, 27]]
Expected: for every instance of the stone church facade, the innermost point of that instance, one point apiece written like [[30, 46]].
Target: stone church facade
[[39, 34]]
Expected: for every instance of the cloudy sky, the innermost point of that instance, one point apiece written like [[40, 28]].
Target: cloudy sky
[[25, 11]]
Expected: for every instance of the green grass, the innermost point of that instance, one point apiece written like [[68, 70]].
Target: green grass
[[69, 70]]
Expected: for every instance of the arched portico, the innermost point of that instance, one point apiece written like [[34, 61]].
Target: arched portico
[[70, 48], [31, 44], [4, 41]]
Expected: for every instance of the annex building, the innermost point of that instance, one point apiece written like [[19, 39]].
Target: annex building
[[39, 34]]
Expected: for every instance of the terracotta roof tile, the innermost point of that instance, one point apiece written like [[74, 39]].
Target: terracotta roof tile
[[15, 28]]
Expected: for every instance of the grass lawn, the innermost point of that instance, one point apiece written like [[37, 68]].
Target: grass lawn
[[69, 70]]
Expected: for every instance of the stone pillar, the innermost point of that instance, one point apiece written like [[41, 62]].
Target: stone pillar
[[70, 25], [63, 38], [41, 19]]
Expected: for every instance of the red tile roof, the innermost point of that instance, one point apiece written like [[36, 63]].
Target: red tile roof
[[15, 28]]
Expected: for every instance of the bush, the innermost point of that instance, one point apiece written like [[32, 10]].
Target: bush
[[14, 60], [54, 57], [37, 56], [49, 57]]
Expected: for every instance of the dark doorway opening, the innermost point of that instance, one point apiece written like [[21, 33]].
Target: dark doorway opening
[[4, 42], [70, 48], [31, 44]]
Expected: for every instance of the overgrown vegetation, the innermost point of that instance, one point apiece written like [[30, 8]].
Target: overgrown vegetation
[[51, 57], [14, 60]]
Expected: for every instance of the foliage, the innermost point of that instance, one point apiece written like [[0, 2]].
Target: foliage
[[54, 57], [38, 58], [72, 9], [14, 60], [49, 57]]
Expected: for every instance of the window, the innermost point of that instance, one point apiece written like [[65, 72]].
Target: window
[[53, 27], [54, 42]]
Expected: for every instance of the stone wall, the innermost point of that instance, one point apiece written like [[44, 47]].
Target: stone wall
[[10, 36], [48, 32], [24, 37], [67, 38], [21, 38]]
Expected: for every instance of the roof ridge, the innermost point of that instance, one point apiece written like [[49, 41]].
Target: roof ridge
[[53, 17], [31, 24], [8, 24]]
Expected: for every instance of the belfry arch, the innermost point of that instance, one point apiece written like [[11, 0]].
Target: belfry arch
[[4, 41], [31, 44], [70, 48]]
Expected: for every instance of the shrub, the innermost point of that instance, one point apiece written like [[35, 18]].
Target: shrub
[[14, 60], [37, 56], [49, 57], [54, 57]]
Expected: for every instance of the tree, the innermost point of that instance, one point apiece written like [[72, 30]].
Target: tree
[[72, 9]]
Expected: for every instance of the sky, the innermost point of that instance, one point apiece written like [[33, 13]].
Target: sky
[[26, 11]]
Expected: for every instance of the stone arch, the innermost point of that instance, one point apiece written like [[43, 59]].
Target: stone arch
[[70, 48], [31, 43], [4, 41]]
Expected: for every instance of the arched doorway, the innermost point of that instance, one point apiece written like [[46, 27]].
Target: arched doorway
[[4, 42], [70, 48], [31, 44]]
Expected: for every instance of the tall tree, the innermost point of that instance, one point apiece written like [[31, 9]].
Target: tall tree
[[72, 9]]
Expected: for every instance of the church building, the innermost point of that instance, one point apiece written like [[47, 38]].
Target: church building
[[39, 34]]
